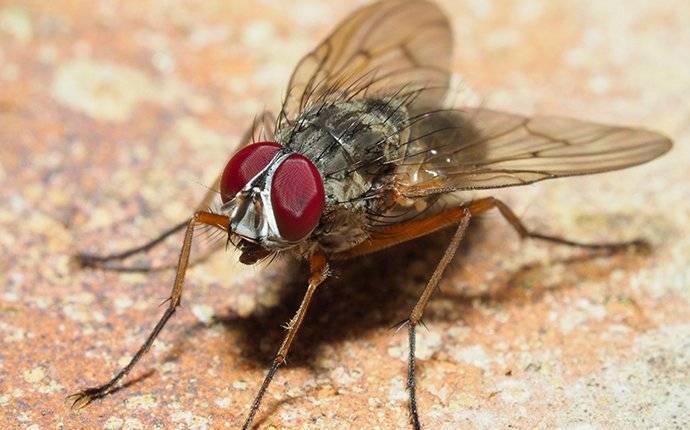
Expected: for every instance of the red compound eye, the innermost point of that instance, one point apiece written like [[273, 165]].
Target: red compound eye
[[244, 165], [297, 197]]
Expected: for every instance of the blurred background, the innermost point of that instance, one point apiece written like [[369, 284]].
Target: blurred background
[[116, 115]]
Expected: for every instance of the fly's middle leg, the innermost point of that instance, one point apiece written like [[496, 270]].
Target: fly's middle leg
[[460, 216], [416, 315]]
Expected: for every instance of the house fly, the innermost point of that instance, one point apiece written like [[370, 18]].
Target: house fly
[[364, 154]]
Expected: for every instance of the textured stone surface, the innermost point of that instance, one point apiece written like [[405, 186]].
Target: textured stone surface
[[114, 115]]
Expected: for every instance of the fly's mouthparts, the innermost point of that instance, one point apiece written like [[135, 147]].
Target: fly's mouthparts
[[258, 209], [248, 218]]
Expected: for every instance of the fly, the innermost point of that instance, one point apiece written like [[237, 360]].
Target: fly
[[364, 155]]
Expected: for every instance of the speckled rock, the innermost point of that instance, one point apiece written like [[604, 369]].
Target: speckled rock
[[115, 116]]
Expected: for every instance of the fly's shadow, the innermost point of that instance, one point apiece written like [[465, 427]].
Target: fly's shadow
[[374, 292], [367, 293]]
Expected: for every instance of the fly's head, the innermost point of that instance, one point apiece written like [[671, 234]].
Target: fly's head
[[273, 196]]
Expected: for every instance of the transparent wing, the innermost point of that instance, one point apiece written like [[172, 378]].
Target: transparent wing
[[479, 148], [389, 47]]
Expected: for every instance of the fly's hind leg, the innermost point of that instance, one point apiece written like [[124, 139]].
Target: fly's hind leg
[[485, 204], [404, 232]]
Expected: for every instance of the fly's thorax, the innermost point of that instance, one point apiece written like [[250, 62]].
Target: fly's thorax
[[352, 142]]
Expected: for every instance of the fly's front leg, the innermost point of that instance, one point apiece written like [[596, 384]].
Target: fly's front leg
[[262, 128], [482, 205], [319, 272], [84, 397], [100, 261]]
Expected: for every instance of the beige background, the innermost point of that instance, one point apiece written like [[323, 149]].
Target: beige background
[[115, 115]]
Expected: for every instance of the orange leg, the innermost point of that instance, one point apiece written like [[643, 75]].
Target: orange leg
[[404, 232], [397, 234], [462, 215], [84, 397], [482, 205], [400, 233], [418, 310], [319, 272]]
